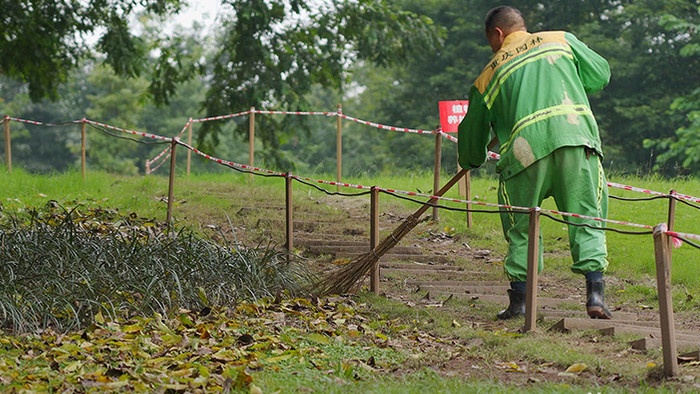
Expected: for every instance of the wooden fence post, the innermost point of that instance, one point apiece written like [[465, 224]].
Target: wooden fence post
[[465, 191], [8, 145], [290, 212], [463, 187], [374, 237], [171, 184], [663, 283], [533, 254], [436, 173], [251, 139], [468, 195], [189, 142], [339, 144], [83, 145], [670, 223]]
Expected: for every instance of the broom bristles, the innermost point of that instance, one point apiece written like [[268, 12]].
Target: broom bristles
[[342, 280]]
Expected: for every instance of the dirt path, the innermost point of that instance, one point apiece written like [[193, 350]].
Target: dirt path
[[435, 270]]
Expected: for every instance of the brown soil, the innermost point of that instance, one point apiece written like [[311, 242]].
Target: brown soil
[[347, 220]]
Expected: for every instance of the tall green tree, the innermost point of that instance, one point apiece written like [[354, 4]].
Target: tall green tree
[[42, 41], [648, 72], [96, 91], [682, 149], [42, 148], [272, 53], [116, 101]]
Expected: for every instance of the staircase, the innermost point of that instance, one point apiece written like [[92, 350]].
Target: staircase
[[409, 268]]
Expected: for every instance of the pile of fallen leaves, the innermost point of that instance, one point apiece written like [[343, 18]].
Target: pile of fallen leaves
[[204, 351]]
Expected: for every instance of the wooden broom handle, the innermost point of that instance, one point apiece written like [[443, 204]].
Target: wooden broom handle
[[450, 183], [442, 191]]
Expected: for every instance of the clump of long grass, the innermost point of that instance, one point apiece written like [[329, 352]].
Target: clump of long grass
[[59, 270]]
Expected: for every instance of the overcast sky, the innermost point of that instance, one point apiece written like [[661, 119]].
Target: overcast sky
[[203, 11], [199, 10]]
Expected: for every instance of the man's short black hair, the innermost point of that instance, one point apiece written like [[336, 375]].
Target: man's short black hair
[[505, 17]]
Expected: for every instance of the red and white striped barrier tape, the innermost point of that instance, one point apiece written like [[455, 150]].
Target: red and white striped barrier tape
[[166, 150], [221, 117], [516, 208], [490, 155], [351, 185], [635, 189], [139, 133], [150, 170], [449, 137], [356, 186], [684, 235], [229, 163], [663, 228], [647, 191], [34, 122], [393, 128], [496, 156], [685, 197], [295, 113]]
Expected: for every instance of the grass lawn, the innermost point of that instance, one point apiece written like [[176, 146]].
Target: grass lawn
[[367, 343]]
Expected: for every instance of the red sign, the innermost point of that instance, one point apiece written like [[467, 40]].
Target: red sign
[[452, 113]]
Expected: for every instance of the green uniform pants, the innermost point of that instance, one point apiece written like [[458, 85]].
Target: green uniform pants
[[574, 176]]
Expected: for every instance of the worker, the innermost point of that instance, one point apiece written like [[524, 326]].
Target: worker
[[533, 95]]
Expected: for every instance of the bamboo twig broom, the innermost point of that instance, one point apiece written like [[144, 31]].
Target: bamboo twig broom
[[342, 280]]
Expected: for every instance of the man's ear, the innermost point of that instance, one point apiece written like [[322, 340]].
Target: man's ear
[[501, 33], [496, 38]]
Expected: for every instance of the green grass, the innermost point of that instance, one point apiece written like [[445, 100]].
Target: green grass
[[212, 195], [207, 199]]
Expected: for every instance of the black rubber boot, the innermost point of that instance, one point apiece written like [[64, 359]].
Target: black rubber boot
[[516, 307], [595, 304]]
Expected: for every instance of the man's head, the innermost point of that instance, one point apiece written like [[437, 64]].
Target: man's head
[[500, 22]]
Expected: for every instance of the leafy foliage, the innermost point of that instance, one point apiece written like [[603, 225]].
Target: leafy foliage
[[634, 107], [386, 61], [41, 42], [684, 147], [272, 56], [63, 267]]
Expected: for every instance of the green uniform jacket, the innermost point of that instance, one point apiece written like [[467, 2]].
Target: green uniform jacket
[[533, 95]]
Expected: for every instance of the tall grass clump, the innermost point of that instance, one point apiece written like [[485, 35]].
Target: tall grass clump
[[59, 269]]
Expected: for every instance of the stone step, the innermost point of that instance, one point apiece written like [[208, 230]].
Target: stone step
[[581, 314], [308, 226], [344, 241], [568, 323], [280, 220], [358, 250], [454, 283], [649, 332], [648, 343], [501, 299], [429, 261], [299, 213], [449, 273], [468, 289], [414, 266], [247, 210], [349, 235], [649, 329], [329, 242]]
